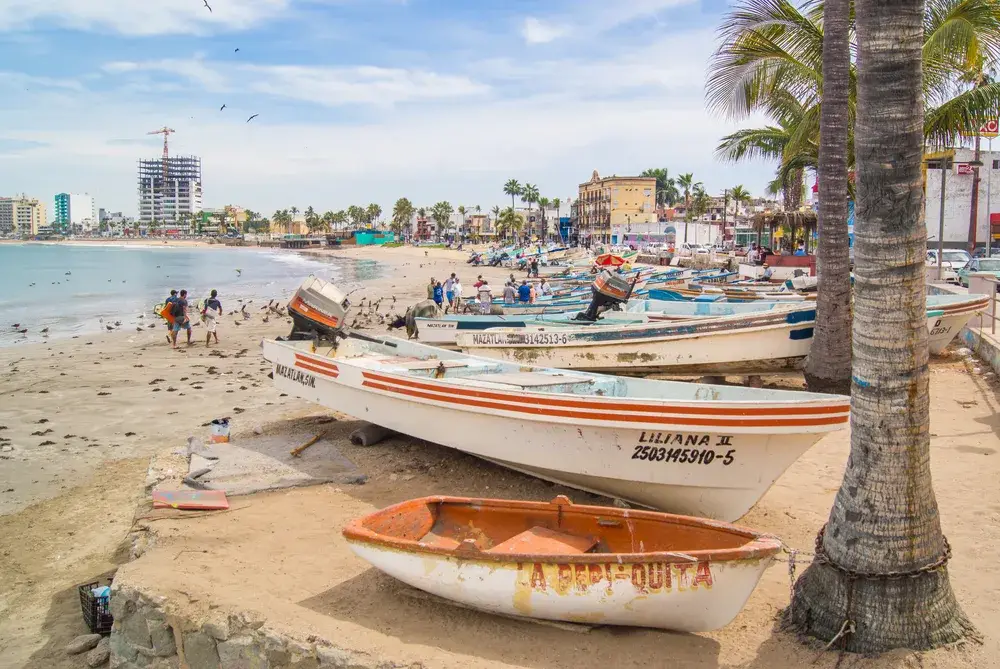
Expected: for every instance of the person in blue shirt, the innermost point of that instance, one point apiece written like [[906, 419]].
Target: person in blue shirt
[[801, 251], [438, 295], [524, 292]]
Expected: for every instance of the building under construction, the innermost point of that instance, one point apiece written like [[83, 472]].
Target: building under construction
[[170, 194]]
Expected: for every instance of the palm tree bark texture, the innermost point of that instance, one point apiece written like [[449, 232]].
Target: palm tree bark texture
[[828, 368], [880, 579]]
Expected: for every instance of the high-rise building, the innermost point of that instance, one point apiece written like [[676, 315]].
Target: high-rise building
[[75, 214], [169, 196], [21, 215]]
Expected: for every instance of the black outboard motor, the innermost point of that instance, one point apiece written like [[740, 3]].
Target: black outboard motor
[[610, 290]]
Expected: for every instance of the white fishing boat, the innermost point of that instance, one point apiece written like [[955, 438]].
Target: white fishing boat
[[948, 314], [694, 449], [442, 331], [568, 562], [754, 343]]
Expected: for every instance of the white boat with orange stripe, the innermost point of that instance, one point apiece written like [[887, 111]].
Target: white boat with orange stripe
[[699, 450]]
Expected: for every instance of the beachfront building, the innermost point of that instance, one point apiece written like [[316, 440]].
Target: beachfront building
[[113, 223], [610, 203], [75, 214], [958, 199], [170, 197], [21, 216]]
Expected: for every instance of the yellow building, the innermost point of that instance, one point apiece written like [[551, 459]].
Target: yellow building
[[614, 202], [22, 216], [478, 225]]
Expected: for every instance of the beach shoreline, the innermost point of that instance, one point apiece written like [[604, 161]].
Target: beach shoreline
[[83, 417]]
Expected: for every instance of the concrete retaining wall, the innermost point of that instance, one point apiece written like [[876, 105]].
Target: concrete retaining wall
[[146, 635]]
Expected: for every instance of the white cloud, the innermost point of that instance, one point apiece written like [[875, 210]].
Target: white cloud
[[194, 70], [535, 31], [139, 17]]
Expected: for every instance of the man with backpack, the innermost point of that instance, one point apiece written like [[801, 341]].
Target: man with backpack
[[178, 309]]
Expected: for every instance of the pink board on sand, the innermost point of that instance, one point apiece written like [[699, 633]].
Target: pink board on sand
[[209, 500]]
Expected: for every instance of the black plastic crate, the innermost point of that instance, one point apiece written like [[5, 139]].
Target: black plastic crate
[[96, 610]]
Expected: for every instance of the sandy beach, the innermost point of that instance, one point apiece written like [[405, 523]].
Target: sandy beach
[[80, 419]]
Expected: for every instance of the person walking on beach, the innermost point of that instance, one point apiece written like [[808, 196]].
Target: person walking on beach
[[438, 295], [456, 289], [449, 292], [179, 310], [212, 312], [509, 293], [524, 292], [546, 287], [485, 296], [430, 289], [169, 302]]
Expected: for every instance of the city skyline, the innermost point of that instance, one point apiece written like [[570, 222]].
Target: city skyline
[[359, 101]]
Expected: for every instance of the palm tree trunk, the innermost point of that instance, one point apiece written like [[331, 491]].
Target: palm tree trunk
[[881, 581], [828, 368], [974, 209]]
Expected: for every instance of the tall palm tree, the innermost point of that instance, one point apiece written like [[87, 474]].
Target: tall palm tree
[[829, 369], [512, 188], [686, 183], [543, 203], [340, 219], [372, 213], [529, 195], [441, 213], [885, 519], [461, 212], [358, 215], [509, 222], [666, 186], [402, 214], [739, 195]]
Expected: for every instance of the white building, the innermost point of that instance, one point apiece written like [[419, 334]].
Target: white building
[[958, 199], [171, 196], [76, 213]]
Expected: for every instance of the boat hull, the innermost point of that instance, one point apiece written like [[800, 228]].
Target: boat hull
[[696, 597], [707, 467], [770, 343]]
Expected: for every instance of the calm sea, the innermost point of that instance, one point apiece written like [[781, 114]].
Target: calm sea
[[69, 288]]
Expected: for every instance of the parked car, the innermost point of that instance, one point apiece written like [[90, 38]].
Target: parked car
[[987, 265], [951, 261]]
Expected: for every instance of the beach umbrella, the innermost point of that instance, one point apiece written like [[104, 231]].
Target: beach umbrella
[[609, 260]]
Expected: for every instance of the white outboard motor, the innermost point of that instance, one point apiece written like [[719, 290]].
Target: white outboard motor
[[318, 310]]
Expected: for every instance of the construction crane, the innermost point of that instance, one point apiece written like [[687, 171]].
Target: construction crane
[[166, 132]]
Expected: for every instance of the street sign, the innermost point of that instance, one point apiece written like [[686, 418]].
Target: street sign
[[963, 168]]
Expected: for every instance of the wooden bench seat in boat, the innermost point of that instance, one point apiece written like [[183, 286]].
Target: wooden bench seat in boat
[[530, 379], [543, 541]]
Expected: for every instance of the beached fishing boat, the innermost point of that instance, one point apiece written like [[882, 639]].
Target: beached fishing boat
[[568, 562], [751, 343], [443, 331], [679, 293], [686, 448], [948, 314]]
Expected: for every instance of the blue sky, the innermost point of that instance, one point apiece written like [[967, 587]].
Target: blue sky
[[358, 100]]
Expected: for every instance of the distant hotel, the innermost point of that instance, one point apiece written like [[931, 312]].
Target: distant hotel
[[172, 196], [21, 216], [75, 214]]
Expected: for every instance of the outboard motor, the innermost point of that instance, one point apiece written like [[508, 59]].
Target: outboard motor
[[318, 309], [610, 290]]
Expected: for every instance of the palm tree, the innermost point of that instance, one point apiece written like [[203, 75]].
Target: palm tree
[[441, 213], [544, 202], [312, 220], [666, 186], [357, 215], [739, 195], [461, 212], [340, 219], [509, 222], [402, 214], [885, 523], [529, 194], [372, 213], [512, 188], [327, 221]]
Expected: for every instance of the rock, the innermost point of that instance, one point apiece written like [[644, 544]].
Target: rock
[[99, 654], [258, 430], [7, 449], [134, 629], [333, 657], [200, 651], [162, 636], [977, 370], [217, 629], [238, 652], [82, 643]]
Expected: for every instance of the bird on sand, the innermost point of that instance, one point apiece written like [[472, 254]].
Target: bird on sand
[[239, 272], [109, 327], [44, 330], [16, 325], [207, 5], [252, 117], [24, 331], [222, 107]]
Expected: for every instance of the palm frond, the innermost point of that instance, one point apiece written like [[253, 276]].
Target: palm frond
[[964, 113]]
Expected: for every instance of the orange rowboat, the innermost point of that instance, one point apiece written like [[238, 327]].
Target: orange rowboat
[[562, 561]]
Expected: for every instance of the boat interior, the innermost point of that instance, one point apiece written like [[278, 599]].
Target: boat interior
[[402, 357], [505, 528]]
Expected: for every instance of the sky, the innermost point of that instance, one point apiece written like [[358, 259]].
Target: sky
[[357, 101]]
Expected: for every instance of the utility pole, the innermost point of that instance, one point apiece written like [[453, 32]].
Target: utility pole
[[944, 164], [725, 207]]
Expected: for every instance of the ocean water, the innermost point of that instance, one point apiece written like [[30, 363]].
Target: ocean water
[[69, 289]]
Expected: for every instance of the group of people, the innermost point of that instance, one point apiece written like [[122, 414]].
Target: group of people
[[526, 293], [448, 295], [179, 311]]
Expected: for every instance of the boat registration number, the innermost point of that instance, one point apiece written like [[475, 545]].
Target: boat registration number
[[526, 338], [308, 380], [691, 456]]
